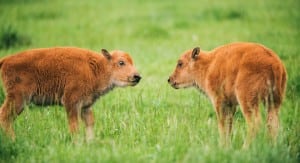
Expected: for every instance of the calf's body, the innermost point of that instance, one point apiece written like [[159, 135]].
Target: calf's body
[[68, 76], [237, 73]]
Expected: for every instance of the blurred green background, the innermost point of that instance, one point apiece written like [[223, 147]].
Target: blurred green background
[[151, 122]]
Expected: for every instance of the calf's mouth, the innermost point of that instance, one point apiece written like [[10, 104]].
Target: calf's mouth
[[135, 79], [173, 83]]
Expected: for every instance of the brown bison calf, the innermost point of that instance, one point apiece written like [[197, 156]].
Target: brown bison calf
[[238, 73], [72, 77]]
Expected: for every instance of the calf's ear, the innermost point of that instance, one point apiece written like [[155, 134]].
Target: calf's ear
[[195, 52], [106, 54]]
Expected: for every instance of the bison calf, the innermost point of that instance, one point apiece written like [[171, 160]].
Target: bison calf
[[238, 73], [69, 76]]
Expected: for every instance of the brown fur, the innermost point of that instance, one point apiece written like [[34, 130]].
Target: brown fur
[[237, 73], [69, 76]]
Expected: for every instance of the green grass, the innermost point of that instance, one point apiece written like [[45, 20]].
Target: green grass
[[151, 122]]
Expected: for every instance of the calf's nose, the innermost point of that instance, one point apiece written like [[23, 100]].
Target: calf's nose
[[137, 77], [169, 80]]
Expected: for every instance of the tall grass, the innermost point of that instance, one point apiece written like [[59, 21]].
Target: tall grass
[[153, 122]]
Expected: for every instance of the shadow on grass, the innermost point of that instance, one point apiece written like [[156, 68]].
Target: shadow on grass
[[8, 150], [18, 1], [219, 14], [293, 88], [153, 32], [9, 37]]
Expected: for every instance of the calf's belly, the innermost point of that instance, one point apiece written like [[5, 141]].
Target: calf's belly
[[45, 100]]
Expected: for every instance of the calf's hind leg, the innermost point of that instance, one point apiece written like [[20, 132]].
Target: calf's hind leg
[[12, 106], [250, 109], [273, 121]]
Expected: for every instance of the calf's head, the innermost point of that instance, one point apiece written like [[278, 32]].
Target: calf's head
[[123, 71], [183, 75]]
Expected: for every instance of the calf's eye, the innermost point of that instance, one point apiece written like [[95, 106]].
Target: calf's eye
[[179, 64], [121, 63]]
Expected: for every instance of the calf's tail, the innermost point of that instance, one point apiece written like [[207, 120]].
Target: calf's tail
[[1, 62], [279, 85]]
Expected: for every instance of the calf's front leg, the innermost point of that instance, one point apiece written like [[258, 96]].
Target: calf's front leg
[[88, 119]]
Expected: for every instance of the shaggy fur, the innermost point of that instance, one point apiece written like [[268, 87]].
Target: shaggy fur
[[237, 73], [68, 76]]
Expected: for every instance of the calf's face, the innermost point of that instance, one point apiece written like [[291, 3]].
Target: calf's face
[[123, 71], [183, 75]]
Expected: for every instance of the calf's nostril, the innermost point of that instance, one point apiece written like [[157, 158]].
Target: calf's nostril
[[137, 78], [169, 80]]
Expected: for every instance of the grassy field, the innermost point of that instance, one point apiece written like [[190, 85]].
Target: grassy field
[[151, 122]]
